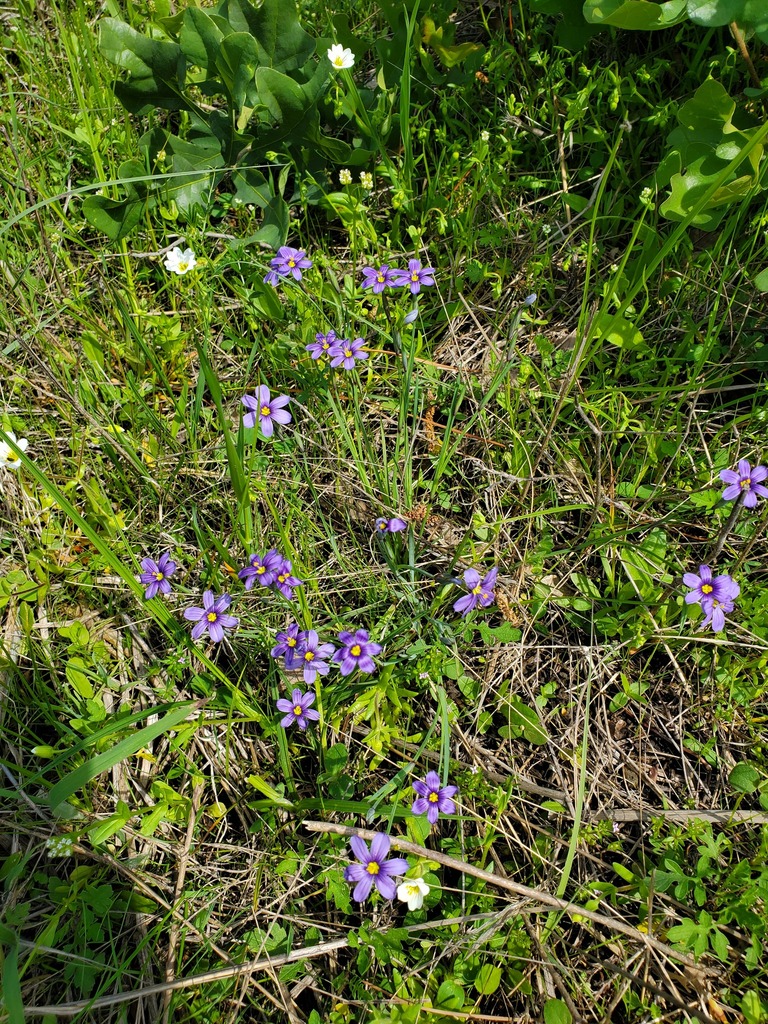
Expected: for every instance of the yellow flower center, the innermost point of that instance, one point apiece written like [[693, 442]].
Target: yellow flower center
[[347, 352], [414, 276], [291, 263], [159, 576], [265, 410], [10, 457], [382, 526], [747, 482], [477, 590], [715, 604], [413, 890], [211, 616], [326, 346], [338, 62], [260, 569], [707, 588], [380, 278], [355, 651], [372, 868], [183, 264], [298, 709], [433, 798], [283, 577], [309, 655], [290, 642]]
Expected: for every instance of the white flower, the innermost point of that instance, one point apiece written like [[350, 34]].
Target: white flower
[[8, 457], [366, 180], [59, 846], [341, 57], [178, 262], [345, 176], [412, 892], [484, 135]]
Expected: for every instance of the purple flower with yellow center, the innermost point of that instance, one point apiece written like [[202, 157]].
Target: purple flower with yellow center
[[156, 574], [379, 279], [288, 645], [346, 353], [287, 262], [432, 799], [415, 277], [212, 617], [375, 868], [393, 525], [481, 592], [322, 344], [298, 709], [284, 581], [357, 652], [715, 594], [312, 656], [260, 569], [268, 410], [745, 483]]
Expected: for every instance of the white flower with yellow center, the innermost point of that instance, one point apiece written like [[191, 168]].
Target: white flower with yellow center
[[341, 57], [412, 891], [8, 456], [180, 261]]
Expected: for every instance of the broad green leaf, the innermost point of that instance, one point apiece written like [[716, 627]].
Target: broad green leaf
[[77, 678], [115, 218], [487, 980], [761, 281], [236, 62], [282, 97], [618, 331], [450, 996], [200, 37], [281, 42], [556, 1012], [104, 762], [715, 12], [744, 778], [449, 53], [525, 721], [157, 68], [634, 14]]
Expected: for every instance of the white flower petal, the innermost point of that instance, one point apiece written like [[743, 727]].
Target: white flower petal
[[412, 891]]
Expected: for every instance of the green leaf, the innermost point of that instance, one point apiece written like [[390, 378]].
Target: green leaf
[[127, 747], [77, 678], [156, 67], [525, 721], [449, 54], [281, 42], [236, 62], [634, 14], [487, 980], [450, 996], [556, 1012], [618, 331], [744, 778], [12, 998], [200, 37], [761, 281], [282, 97], [715, 12]]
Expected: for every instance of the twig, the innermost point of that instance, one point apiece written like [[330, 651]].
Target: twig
[[572, 909], [738, 35]]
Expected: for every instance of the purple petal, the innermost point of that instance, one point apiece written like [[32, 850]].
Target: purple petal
[[758, 474], [420, 806], [216, 631], [366, 664], [360, 849], [284, 705], [750, 499], [228, 621], [266, 426], [193, 614], [312, 715], [445, 805], [380, 847], [433, 781], [288, 720], [432, 813], [690, 579], [355, 873], [744, 468], [465, 604], [281, 416], [421, 787], [394, 866], [363, 888], [718, 619], [199, 629], [386, 886], [250, 402], [692, 597], [208, 601], [729, 476]]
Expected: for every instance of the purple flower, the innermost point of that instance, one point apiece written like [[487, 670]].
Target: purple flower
[[298, 709], [394, 525], [415, 277], [374, 868], [431, 799], [261, 569], [715, 595], [380, 279], [266, 409], [344, 352], [312, 655], [480, 591], [288, 645], [745, 483], [357, 652], [284, 581], [212, 616], [322, 344], [156, 574], [288, 261]]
